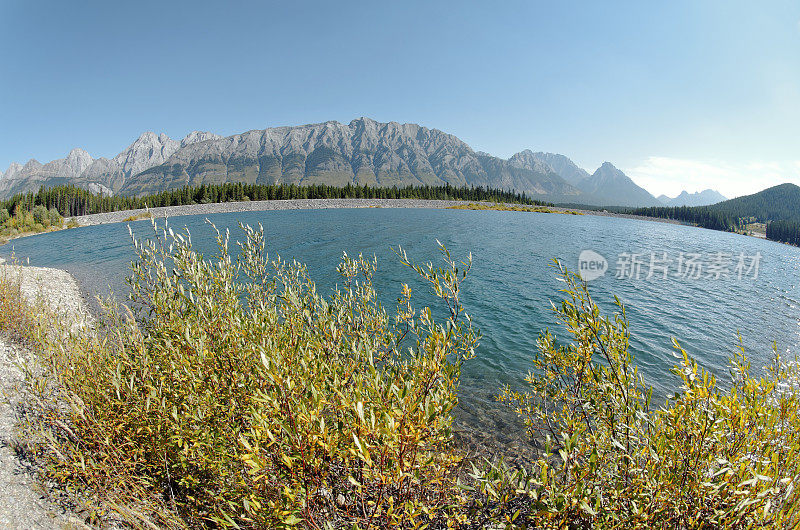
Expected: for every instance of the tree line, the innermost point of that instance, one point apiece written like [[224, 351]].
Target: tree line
[[703, 216], [72, 201], [784, 231]]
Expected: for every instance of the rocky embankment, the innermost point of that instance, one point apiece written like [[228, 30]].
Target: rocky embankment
[[258, 206], [306, 204], [24, 502]]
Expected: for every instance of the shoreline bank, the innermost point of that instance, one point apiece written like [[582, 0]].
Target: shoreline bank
[[27, 501], [313, 204]]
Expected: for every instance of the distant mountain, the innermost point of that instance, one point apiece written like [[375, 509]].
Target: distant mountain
[[608, 186], [363, 152], [780, 202], [616, 188], [101, 174], [701, 198], [778, 206], [566, 168], [34, 174]]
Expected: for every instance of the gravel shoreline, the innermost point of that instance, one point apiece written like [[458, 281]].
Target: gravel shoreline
[[260, 206], [25, 502], [310, 204]]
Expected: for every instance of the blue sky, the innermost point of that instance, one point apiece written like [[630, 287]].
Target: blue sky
[[681, 95]]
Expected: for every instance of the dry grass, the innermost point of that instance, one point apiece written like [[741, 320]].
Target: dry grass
[[138, 217], [502, 207]]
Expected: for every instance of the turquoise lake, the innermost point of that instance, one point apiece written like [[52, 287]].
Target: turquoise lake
[[512, 283]]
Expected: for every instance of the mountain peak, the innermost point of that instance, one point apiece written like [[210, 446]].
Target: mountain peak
[[145, 152], [198, 136], [150, 137], [362, 119], [609, 171], [12, 170], [363, 124], [147, 136], [32, 164], [78, 153], [77, 160], [608, 166], [618, 189], [527, 159]]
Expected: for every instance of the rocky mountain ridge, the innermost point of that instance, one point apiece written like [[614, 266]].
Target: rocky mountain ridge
[[98, 175], [562, 165], [363, 152]]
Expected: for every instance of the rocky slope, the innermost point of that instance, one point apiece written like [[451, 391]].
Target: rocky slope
[[25, 504], [566, 168], [361, 152]]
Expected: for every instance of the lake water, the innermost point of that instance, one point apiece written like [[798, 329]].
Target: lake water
[[509, 291]]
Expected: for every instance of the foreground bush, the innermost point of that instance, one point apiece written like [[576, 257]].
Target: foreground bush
[[236, 395], [233, 394], [711, 458]]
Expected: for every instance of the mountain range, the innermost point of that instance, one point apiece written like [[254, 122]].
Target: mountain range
[[700, 198], [362, 152], [608, 186]]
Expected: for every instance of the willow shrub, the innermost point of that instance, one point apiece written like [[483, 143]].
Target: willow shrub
[[234, 394], [710, 458], [19, 319]]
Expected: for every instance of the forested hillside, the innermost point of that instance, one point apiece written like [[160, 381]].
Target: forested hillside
[[785, 231], [704, 216], [778, 203], [778, 207]]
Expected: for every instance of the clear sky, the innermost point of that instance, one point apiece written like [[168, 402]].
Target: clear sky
[[680, 95]]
